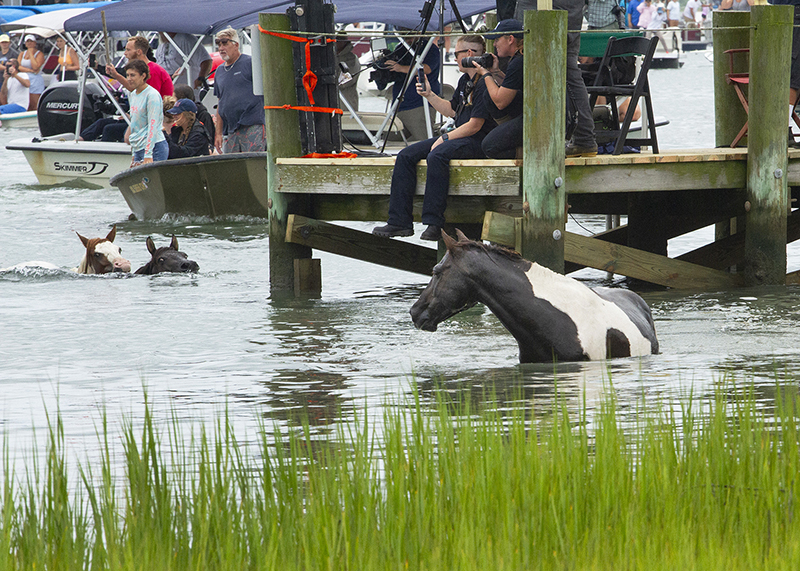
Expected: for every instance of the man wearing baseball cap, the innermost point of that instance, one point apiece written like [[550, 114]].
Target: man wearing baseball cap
[[6, 51], [505, 90]]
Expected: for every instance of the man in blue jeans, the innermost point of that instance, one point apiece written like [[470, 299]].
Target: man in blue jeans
[[469, 107]]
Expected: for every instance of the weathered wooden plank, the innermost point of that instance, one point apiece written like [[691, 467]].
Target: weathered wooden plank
[[729, 251], [767, 190], [644, 265], [543, 190], [358, 245], [504, 180], [460, 209]]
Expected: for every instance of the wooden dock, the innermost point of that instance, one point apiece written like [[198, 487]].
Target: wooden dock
[[524, 203]]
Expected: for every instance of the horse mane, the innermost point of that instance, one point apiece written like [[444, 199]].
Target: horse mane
[[490, 249], [86, 265]]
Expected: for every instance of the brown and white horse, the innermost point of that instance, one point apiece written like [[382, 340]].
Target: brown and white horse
[[102, 256]]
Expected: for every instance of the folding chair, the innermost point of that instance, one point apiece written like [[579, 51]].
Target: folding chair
[[737, 80], [604, 85]]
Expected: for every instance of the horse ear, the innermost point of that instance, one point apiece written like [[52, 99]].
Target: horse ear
[[84, 240], [461, 236], [151, 246], [174, 243], [448, 241], [113, 234]]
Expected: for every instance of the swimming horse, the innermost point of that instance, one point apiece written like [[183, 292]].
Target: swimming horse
[[102, 256], [552, 317], [167, 259]]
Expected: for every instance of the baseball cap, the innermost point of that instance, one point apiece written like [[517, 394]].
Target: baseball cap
[[29, 37], [4, 38], [182, 105], [508, 27]]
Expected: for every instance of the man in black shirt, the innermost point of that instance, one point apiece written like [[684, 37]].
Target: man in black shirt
[[469, 107], [505, 92]]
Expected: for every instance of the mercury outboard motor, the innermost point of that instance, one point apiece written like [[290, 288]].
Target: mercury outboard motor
[[58, 107]]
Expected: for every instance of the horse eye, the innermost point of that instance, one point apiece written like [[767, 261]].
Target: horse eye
[[161, 260], [97, 254]]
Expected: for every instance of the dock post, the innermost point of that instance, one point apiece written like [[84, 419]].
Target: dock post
[[767, 203], [731, 31], [544, 199], [283, 140]]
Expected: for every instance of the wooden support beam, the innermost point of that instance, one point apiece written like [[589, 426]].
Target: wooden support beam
[[644, 265], [729, 251], [358, 245], [307, 277], [543, 189], [767, 189]]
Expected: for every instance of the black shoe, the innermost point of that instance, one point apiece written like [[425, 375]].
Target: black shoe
[[572, 150], [432, 233], [392, 231]]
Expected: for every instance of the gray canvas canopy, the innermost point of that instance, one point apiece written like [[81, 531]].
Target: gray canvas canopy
[[210, 16]]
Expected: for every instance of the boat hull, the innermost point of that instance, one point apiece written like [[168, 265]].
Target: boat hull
[[58, 160], [217, 185], [24, 120]]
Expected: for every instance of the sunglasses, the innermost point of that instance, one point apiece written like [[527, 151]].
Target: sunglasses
[[460, 52], [223, 42]]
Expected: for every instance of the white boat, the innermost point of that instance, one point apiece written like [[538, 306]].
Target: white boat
[[24, 120], [60, 159]]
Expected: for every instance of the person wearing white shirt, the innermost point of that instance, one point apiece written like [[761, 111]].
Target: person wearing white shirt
[[15, 92], [673, 13]]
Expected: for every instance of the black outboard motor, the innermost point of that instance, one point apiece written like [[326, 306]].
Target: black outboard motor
[[58, 107]]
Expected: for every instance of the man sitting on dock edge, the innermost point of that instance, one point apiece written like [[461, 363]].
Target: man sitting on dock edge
[[473, 122]]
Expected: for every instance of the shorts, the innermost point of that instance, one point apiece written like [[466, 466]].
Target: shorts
[[37, 83], [246, 139]]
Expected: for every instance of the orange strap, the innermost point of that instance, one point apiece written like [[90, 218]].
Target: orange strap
[[332, 110], [309, 77], [342, 155]]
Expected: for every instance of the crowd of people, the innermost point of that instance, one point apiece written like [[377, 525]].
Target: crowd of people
[[164, 118]]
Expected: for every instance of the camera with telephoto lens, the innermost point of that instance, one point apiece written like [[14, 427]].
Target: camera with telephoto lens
[[485, 61]]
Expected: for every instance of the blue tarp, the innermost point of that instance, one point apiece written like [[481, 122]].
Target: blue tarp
[[210, 16], [13, 13]]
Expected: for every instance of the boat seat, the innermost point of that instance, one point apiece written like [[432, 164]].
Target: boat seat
[[605, 85]]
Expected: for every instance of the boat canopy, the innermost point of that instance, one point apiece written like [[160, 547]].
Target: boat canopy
[[210, 16], [45, 24]]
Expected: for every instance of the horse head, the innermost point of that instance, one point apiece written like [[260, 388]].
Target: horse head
[[449, 292], [167, 259], [102, 256]]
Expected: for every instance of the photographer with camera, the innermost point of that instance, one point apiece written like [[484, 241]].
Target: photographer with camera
[[394, 68], [15, 92], [473, 122], [505, 90]]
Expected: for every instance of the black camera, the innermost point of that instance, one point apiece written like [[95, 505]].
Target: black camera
[[486, 61]]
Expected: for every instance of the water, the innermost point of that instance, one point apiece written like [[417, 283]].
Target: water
[[200, 344]]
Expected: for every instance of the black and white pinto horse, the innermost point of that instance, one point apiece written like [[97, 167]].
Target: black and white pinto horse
[[167, 259], [552, 317]]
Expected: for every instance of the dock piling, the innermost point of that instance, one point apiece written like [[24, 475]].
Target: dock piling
[[283, 140], [767, 190], [544, 199]]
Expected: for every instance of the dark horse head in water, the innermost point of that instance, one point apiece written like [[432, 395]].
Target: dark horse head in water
[[167, 259], [552, 317]]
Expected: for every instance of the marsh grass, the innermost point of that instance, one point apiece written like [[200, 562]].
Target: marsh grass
[[699, 484]]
